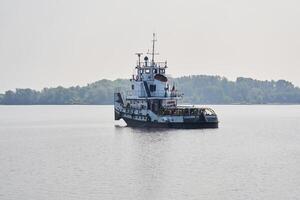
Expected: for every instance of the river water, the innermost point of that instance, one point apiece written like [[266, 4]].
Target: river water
[[80, 152]]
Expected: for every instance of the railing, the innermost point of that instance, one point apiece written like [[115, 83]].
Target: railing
[[176, 94], [173, 112], [156, 64], [159, 93], [186, 111]]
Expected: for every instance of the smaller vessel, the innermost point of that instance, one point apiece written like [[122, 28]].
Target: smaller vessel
[[151, 102]]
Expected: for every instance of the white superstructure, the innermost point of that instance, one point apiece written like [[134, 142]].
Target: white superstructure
[[152, 101]]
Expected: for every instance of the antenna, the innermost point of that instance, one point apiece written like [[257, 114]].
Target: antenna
[[139, 55]]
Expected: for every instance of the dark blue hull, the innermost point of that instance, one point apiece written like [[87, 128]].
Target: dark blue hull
[[181, 125]]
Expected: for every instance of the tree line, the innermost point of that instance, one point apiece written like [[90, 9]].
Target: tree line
[[198, 89]]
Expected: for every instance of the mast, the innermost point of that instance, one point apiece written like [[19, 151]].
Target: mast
[[153, 50], [153, 44]]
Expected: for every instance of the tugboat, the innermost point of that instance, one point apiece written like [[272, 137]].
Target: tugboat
[[152, 103]]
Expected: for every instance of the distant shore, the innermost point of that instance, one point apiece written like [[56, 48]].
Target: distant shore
[[179, 104], [199, 89]]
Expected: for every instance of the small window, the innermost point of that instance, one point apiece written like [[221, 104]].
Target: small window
[[141, 71], [161, 71], [152, 88], [132, 87], [147, 71], [154, 71]]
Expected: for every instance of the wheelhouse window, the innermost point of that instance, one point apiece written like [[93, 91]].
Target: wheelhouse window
[[154, 71], [161, 71], [147, 71], [141, 71]]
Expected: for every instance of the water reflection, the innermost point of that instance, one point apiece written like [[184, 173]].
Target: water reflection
[[149, 160]]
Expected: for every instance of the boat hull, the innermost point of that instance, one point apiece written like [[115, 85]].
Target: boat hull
[[178, 125]]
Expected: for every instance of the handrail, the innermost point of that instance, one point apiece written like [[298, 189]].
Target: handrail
[[156, 64], [186, 111]]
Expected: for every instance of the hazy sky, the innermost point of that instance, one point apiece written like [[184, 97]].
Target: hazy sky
[[69, 42]]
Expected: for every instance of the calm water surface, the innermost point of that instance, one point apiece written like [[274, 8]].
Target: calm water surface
[[79, 152]]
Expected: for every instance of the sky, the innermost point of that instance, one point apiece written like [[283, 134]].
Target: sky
[[47, 43]]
